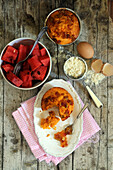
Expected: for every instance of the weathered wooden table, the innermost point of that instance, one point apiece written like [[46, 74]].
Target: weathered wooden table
[[25, 18]]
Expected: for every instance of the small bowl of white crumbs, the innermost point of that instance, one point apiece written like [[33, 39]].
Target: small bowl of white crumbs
[[75, 68]]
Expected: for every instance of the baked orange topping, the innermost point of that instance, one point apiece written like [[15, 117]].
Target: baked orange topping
[[63, 26], [50, 121], [61, 136], [59, 97], [48, 135]]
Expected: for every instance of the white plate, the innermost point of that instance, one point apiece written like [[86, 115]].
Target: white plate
[[49, 144]]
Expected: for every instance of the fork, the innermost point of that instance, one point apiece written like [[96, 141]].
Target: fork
[[70, 127], [18, 66]]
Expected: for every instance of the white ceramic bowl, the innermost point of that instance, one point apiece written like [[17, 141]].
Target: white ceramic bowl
[[25, 41]]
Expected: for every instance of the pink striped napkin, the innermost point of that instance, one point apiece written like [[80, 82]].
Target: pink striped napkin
[[24, 119]]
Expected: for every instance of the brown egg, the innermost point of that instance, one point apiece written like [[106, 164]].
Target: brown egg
[[85, 50]]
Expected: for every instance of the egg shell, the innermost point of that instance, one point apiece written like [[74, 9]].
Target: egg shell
[[96, 65], [107, 69], [85, 50]]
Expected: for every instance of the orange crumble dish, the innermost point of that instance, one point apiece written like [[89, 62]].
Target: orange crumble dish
[[61, 136], [48, 135], [63, 26], [59, 97], [50, 121]]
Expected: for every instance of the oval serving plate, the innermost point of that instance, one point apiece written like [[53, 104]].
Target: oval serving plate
[[49, 144]]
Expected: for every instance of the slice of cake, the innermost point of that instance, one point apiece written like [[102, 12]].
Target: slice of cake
[[59, 97]]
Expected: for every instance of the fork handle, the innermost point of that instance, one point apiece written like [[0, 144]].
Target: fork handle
[[43, 30], [80, 113]]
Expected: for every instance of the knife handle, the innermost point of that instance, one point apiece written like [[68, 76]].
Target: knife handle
[[94, 97]]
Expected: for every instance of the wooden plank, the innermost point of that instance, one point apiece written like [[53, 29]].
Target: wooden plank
[[110, 8], [1, 120], [1, 87], [100, 115], [44, 166], [102, 25], [29, 23], [12, 98], [12, 137], [110, 86], [93, 29], [86, 156], [110, 158]]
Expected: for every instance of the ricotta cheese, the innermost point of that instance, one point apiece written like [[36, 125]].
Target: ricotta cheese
[[74, 67], [93, 79]]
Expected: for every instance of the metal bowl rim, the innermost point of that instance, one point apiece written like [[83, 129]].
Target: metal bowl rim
[[74, 14], [77, 79], [21, 88]]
